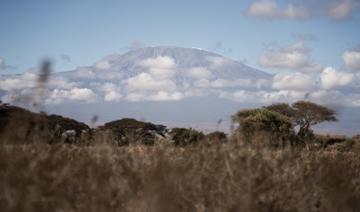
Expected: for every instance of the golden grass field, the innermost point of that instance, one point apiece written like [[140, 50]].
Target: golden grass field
[[231, 176]]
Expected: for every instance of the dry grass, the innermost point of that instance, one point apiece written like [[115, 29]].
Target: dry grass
[[217, 177]]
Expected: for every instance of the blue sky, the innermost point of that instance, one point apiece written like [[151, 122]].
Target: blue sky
[[82, 32]]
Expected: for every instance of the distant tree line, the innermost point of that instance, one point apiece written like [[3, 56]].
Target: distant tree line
[[276, 125]]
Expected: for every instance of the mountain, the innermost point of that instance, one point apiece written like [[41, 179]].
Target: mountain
[[131, 63], [157, 74], [164, 73]]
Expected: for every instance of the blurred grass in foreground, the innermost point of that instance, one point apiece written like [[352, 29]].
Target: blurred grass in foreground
[[217, 177]]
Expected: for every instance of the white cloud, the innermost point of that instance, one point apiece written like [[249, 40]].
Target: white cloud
[[165, 96], [145, 82], [110, 75], [24, 87], [112, 96], [84, 73], [159, 62], [286, 60], [222, 83], [202, 83], [13, 84], [225, 83], [82, 94], [270, 9], [199, 73], [217, 61], [294, 81], [291, 94], [335, 97], [26, 80], [160, 67], [102, 65], [157, 96], [134, 97], [61, 82], [106, 87], [352, 59], [77, 94], [342, 9], [330, 78], [311, 67], [161, 73], [111, 92], [263, 97], [293, 57]]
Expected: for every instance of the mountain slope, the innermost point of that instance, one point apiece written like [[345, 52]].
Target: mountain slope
[[162, 74], [184, 58]]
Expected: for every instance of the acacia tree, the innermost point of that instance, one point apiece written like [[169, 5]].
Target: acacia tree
[[304, 114], [282, 108], [308, 114]]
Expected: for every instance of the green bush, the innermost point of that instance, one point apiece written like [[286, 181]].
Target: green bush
[[216, 136], [184, 136], [130, 131], [277, 127]]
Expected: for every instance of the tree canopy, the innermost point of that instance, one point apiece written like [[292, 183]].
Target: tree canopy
[[185, 136], [279, 120], [309, 114], [129, 130], [262, 120], [304, 114], [282, 108]]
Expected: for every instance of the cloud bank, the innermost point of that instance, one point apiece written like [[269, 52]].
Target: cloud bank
[[342, 9], [271, 9], [163, 78], [295, 57], [351, 59]]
